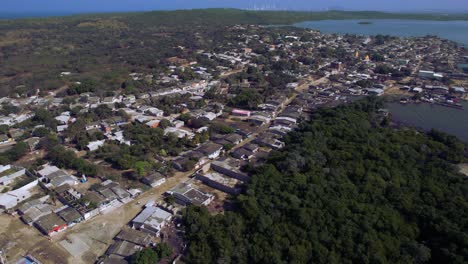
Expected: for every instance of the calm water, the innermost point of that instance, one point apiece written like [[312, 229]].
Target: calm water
[[428, 116], [452, 30]]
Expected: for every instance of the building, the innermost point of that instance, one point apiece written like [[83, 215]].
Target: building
[[154, 179], [71, 216], [211, 150], [53, 177], [240, 112], [11, 199], [122, 249], [134, 236], [153, 123], [151, 220], [9, 173], [31, 211], [186, 194], [50, 224], [229, 167], [221, 182], [95, 145]]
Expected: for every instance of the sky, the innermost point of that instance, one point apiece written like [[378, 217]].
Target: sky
[[83, 6]]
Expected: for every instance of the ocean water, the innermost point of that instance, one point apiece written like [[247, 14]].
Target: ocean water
[[453, 30]]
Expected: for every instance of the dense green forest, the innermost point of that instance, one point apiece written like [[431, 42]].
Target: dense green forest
[[105, 48], [346, 189]]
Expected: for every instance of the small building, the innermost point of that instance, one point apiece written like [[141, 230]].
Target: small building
[[186, 194], [229, 167], [123, 249], [375, 91], [233, 138], [151, 220], [95, 145], [211, 150], [154, 179], [9, 173], [240, 112], [134, 236], [70, 215], [242, 154], [220, 182], [50, 224], [153, 123]]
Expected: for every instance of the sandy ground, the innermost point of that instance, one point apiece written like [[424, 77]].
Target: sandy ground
[[18, 239], [464, 168]]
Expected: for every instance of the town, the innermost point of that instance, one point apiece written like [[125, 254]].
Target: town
[[93, 175]]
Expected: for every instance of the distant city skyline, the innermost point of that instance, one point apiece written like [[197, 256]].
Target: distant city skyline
[[85, 6]]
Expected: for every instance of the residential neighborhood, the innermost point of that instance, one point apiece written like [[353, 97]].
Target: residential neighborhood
[[75, 159]]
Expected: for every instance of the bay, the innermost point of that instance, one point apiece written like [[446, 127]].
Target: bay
[[453, 30], [428, 116]]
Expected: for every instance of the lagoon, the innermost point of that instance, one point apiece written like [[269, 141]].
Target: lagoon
[[428, 116], [453, 30]]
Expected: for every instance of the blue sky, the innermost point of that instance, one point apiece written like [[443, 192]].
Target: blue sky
[[79, 6]]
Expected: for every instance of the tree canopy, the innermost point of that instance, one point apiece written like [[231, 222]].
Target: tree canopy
[[346, 189]]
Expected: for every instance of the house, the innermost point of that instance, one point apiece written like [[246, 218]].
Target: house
[[151, 220], [50, 224], [269, 141], [63, 118], [210, 116], [70, 215], [375, 91], [12, 198], [242, 154], [9, 173], [32, 210], [180, 133], [154, 111], [233, 138], [122, 249], [259, 120], [186, 194], [95, 145], [93, 125], [154, 179], [62, 128], [134, 236], [240, 112], [54, 177], [153, 123], [4, 139], [211, 150]]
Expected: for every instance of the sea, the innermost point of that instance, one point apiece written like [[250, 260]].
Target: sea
[[423, 115]]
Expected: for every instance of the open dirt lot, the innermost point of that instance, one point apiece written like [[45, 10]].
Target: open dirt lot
[[18, 239]]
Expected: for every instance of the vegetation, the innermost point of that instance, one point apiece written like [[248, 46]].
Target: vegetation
[[151, 255], [346, 189], [99, 51]]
